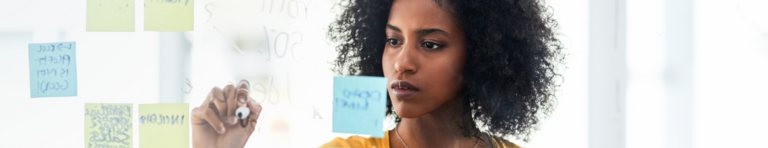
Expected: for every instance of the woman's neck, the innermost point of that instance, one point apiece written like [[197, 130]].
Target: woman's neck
[[435, 129]]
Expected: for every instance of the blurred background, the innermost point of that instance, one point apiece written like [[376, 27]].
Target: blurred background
[[639, 73]]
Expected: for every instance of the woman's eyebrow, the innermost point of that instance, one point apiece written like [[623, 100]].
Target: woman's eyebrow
[[393, 28], [421, 32], [424, 32]]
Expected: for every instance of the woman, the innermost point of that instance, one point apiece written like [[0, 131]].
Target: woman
[[451, 63], [462, 73]]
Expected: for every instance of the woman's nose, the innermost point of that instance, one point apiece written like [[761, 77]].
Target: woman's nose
[[406, 61]]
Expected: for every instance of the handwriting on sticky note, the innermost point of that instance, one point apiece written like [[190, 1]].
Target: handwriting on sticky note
[[164, 125], [109, 15], [161, 119], [169, 15], [108, 125], [357, 99], [52, 69], [359, 105]]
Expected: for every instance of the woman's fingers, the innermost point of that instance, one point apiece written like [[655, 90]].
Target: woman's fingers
[[255, 109], [220, 106], [253, 116], [219, 101], [213, 119], [198, 116], [198, 113], [241, 99], [231, 94], [206, 113]]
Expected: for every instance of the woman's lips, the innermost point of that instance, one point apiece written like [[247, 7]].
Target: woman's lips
[[403, 89]]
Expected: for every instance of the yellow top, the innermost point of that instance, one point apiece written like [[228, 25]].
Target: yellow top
[[362, 142]]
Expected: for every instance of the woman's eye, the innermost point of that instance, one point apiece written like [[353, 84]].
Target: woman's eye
[[431, 45], [393, 42]]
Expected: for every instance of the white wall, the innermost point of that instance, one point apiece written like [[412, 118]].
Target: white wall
[[730, 73], [730, 48]]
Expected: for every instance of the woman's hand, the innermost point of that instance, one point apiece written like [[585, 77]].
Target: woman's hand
[[215, 123]]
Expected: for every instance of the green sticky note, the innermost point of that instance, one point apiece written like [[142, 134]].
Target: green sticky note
[[108, 125], [359, 105], [109, 15], [164, 125], [168, 15], [52, 69]]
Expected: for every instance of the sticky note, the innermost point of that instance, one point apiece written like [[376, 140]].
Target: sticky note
[[109, 15], [359, 105], [108, 125], [52, 69], [168, 15], [164, 125]]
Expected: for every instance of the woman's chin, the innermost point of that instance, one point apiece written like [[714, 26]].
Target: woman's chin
[[410, 113]]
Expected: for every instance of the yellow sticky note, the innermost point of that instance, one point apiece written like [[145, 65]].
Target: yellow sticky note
[[164, 125], [109, 15], [108, 125], [168, 15]]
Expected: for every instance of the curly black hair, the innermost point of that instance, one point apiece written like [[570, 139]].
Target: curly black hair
[[512, 59]]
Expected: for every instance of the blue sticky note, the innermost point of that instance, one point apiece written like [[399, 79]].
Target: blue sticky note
[[52, 69], [359, 105]]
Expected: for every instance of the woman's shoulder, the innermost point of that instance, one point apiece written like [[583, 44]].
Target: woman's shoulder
[[499, 142], [363, 142], [358, 142]]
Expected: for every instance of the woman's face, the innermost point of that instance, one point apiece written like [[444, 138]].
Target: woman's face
[[423, 58]]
